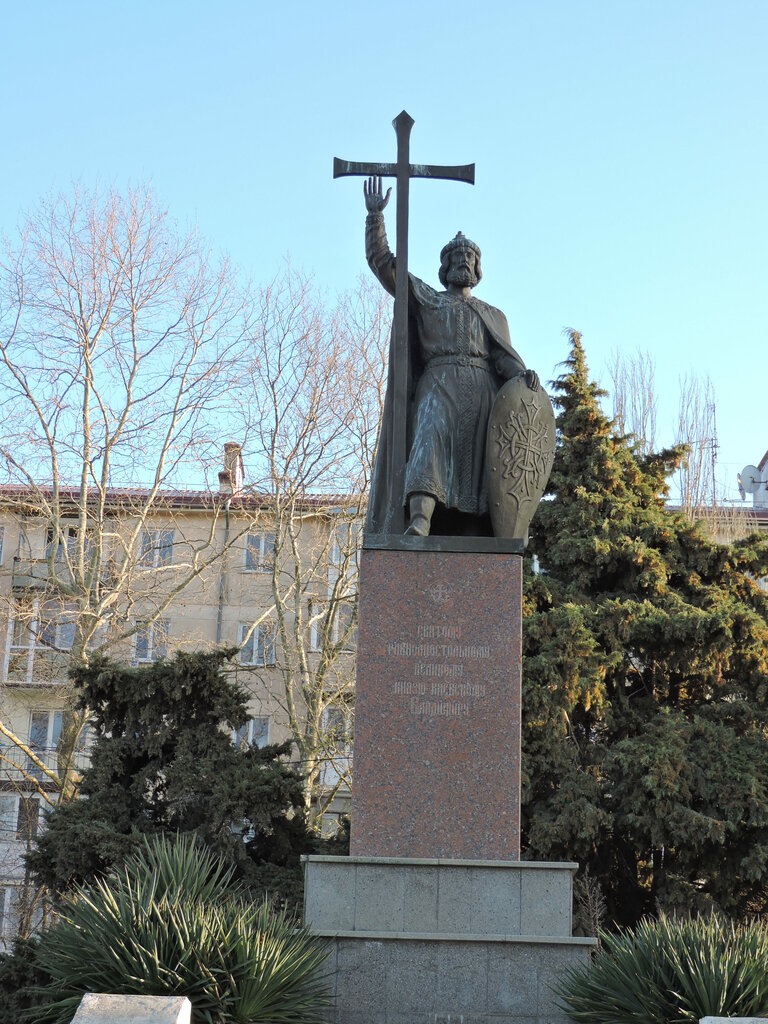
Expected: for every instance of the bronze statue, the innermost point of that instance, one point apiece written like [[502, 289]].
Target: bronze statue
[[459, 358]]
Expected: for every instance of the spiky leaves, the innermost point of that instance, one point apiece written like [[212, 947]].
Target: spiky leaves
[[673, 970], [170, 922]]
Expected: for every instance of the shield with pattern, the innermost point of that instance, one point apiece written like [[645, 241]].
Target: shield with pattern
[[519, 455]]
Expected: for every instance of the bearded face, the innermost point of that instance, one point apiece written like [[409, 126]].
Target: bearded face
[[461, 269]]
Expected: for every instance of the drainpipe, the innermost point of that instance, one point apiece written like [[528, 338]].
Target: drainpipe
[[223, 573], [231, 480]]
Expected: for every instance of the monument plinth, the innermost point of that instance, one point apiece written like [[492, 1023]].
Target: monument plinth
[[437, 706], [433, 919]]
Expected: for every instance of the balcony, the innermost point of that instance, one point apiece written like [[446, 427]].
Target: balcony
[[32, 573], [17, 771], [36, 666]]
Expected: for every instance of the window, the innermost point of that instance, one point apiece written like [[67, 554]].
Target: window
[[57, 632], [341, 631], [156, 548], [337, 741], [39, 637], [259, 552], [343, 558], [151, 641], [9, 813], [24, 624], [336, 725], [86, 739], [45, 729], [316, 616], [66, 539], [20, 641], [29, 818], [2, 543], [258, 648], [65, 542], [255, 733], [345, 627]]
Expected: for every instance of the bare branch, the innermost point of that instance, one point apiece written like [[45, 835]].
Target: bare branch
[[635, 401]]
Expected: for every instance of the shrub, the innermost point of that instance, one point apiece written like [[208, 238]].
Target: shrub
[[673, 970], [19, 978], [171, 922]]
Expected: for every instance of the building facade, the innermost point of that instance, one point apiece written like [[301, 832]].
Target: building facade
[[178, 570]]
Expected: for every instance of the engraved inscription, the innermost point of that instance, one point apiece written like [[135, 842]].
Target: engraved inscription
[[439, 655], [457, 689], [406, 649], [404, 686], [439, 708], [432, 668], [438, 632]]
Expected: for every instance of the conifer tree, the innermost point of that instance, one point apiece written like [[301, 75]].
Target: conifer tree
[[164, 760], [646, 680]]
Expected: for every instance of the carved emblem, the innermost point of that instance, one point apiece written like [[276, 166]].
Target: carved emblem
[[523, 448], [440, 593], [519, 454]]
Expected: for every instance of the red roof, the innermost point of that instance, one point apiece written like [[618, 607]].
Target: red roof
[[173, 497]]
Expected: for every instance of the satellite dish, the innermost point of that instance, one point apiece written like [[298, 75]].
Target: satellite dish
[[750, 479]]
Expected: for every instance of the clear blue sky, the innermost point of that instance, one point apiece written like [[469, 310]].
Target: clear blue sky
[[621, 151]]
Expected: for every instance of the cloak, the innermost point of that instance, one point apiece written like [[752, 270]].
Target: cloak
[[383, 501]]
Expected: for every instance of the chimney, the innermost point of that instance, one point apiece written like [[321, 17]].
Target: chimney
[[232, 477]]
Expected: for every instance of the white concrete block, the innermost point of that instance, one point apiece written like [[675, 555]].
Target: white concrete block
[[101, 1008], [732, 1020]]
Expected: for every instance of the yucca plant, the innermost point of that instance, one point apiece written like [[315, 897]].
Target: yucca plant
[[673, 970], [171, 922]]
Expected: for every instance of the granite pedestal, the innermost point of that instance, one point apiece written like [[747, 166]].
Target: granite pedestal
[[437, 705], [420, 941], [433, 919]]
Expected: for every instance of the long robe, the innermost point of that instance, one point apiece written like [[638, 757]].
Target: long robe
[[459, 355]]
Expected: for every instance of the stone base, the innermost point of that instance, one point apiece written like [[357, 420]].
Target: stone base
[[385, 979], [443, 942], [437, 705]]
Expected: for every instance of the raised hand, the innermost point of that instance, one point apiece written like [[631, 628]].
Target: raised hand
[[375, 200]]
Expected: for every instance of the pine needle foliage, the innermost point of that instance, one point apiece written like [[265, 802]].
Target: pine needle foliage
[[20, 975], [172, 922], [673, 971], [645, 680], [164, 761]]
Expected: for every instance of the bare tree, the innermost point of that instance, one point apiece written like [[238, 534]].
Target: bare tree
[[635, 402], [697, 430], [315, 388], [635, 406], [119, 339]]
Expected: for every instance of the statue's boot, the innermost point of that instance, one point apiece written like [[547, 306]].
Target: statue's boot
[[421, 507]]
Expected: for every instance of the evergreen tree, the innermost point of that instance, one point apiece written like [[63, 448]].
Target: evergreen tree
[[646, 680], [164, 760]]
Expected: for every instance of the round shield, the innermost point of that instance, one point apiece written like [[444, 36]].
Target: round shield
[[519, 455]]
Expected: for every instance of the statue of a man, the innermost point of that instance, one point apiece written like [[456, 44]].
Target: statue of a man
[[460, 355]]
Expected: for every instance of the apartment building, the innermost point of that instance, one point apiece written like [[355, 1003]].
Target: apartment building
[[190, 570]]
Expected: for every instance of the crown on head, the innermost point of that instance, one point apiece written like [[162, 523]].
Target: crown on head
[[459, 242]]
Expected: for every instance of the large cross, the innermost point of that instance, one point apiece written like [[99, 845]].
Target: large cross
[[403, 171]]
